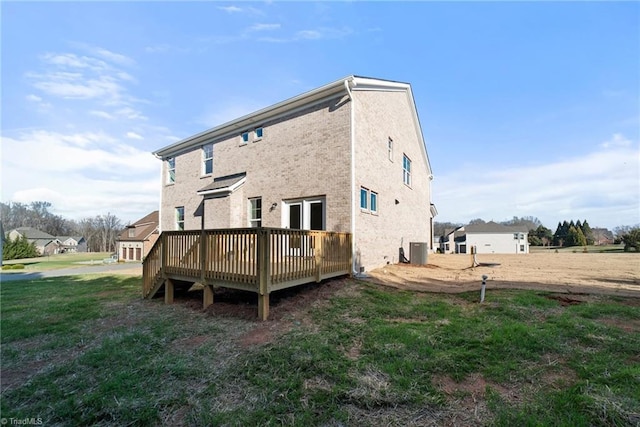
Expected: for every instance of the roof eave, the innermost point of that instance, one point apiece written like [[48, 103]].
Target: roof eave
[[248, 120]]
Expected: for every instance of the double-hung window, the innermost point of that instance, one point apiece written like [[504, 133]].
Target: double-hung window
[[180, 218], [171, 170], [207, 159], [406, 170], [255, 212]]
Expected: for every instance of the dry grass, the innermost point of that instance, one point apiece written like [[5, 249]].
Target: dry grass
[[611, 274]]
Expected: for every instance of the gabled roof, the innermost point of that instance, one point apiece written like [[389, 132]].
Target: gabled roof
[[143, 228], [492, 227], [339, 87], [32, 233], [76, 238]]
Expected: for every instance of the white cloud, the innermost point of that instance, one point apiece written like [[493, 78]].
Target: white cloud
[[97, 77], [230, 9], [133, 135], [324, 33], [33, 98], [112, 56], [602, 186], [81, 174], [102, 114], [130, 113], [264, 27], [618, 140]]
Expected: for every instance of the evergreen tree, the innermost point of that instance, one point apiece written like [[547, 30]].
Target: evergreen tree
[[588, 233], [18, 249], [575, 237], [560, 238]]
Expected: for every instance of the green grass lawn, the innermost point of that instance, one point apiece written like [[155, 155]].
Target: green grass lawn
[[58, 261], [88, 351]]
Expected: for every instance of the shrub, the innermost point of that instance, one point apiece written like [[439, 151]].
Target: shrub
[[13, 267], [631, 239]]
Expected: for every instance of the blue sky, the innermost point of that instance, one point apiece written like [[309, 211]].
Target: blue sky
[[528, 109]]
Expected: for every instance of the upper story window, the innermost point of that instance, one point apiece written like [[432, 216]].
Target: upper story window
[[180, 218], [171, 170], [364, 198], [373, 206], [207, 159], [255, 135], [406, 170], [390, 149], [132, 232], [255, 212]]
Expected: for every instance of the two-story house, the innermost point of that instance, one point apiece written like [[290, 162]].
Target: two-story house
[[348, 156]]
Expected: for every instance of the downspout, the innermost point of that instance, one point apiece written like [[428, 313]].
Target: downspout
[[161, 192], [353, 176]]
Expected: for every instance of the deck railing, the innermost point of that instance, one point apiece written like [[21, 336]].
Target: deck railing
[[260, 259]]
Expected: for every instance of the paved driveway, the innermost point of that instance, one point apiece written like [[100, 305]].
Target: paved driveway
[[133, 268]]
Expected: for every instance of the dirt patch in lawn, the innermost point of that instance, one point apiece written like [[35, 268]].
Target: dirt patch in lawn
[[579, 273]]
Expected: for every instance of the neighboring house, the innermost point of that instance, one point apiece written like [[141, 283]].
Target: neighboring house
[[488, 238], [137, 239], [45, 243], [348, 156], [72, 244]]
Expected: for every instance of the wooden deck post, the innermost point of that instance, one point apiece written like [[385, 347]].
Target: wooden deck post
[[263, 274], [168, 291], [207, 298], [319, 248]]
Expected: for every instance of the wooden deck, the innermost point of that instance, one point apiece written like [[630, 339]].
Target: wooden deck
[[259, 260]]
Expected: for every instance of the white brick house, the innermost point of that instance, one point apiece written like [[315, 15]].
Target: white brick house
[[348, 156]]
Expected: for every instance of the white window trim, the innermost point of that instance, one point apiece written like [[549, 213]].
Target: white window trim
[[406, 173], [242, 140], [169, 169], [257, 138], [250, 215], [368, 198], [178, 222], [204, 160], [305, 211], [371, 196]]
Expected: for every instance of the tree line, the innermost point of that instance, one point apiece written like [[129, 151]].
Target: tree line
[[100, 232], [568, 233]]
